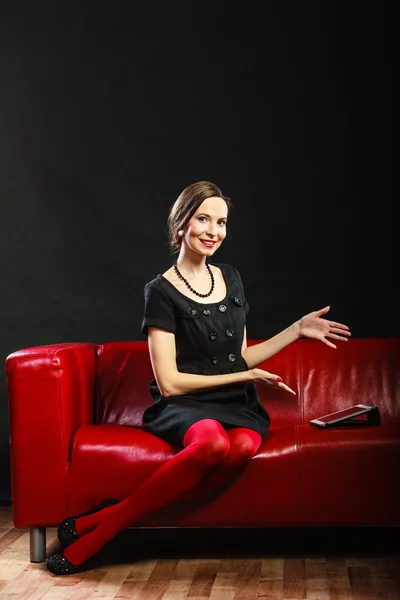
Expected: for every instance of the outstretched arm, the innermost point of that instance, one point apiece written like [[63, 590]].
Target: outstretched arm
[[311, 326], [172, 382]]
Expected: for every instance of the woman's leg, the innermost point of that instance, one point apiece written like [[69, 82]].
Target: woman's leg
[[206, 443], [244, 443]]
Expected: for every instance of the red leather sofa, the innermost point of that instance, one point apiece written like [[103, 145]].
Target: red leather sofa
[[76, 439]]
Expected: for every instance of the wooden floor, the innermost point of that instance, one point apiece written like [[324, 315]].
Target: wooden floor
[[272, 564]]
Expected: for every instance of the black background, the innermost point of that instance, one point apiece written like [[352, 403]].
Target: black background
[[108, 110]]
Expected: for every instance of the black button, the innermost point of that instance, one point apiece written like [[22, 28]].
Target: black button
[[222, 308], [237, 300], [206, 312], [193, 312], [215, 360], [229, 332], [213, 336], [231, 358]]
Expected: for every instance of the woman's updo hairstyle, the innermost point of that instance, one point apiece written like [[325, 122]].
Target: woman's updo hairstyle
[[186, 205]]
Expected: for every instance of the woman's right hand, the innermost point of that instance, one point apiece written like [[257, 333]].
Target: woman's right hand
[[265, 379]]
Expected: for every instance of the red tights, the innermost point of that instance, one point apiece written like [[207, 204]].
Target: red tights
[[210, 455]]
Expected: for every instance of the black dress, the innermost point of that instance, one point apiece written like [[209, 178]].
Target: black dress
[[208, 341]]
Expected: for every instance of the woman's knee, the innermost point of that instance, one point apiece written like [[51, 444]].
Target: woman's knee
[[215, 450], [243, 446], [240, 455], [210, 439]]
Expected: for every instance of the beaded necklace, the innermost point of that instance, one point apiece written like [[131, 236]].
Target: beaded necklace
[[185, 281]]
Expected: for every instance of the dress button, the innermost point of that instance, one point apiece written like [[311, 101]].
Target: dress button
[[213, 336], [206, 312], [237, 300], [222, 308], [215, 360], [193, 312], [229, 332], [231, 358]]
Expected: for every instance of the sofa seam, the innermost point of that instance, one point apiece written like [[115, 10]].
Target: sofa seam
[[299, 513], [301, 398], [61, 413], [97, 386]]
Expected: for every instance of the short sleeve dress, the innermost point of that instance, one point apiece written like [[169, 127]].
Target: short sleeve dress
[[208, 340]]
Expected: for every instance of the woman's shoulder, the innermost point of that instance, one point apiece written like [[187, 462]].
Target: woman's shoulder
[[228, 269], [168, 274], [223, 266], [152, 282], [154, 286]]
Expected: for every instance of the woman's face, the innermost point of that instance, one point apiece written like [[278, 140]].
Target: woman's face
[[206, 230]]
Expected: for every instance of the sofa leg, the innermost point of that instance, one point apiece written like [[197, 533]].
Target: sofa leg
[[37, 544]]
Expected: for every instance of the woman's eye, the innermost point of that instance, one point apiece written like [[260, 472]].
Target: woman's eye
[[219, 222]]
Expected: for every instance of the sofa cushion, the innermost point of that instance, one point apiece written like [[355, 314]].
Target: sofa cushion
[[360, 371], [112, 461], [123, 375], [346, 475]]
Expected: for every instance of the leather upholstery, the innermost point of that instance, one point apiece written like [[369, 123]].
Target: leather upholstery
[[75, 437]]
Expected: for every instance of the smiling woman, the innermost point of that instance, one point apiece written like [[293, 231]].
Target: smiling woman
[[205, 398], [202, 210], [205, 228]]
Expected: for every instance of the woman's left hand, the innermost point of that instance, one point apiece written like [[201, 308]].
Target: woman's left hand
[[312, 326]]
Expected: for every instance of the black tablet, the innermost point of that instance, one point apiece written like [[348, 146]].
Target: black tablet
[[346, 414]]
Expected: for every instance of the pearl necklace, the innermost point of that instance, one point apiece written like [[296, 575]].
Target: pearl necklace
[[185, 281]]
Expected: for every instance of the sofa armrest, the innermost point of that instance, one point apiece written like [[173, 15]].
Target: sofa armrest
[[50, 394]]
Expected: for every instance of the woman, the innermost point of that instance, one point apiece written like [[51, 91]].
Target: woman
[[205, 399]]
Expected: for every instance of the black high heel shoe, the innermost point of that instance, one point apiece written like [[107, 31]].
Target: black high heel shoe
[[59, 565], [66, 531]]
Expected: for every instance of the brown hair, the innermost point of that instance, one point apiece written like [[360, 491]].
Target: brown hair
[[186, 205]]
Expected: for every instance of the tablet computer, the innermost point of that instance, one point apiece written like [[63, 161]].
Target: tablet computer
[[347, 414]]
